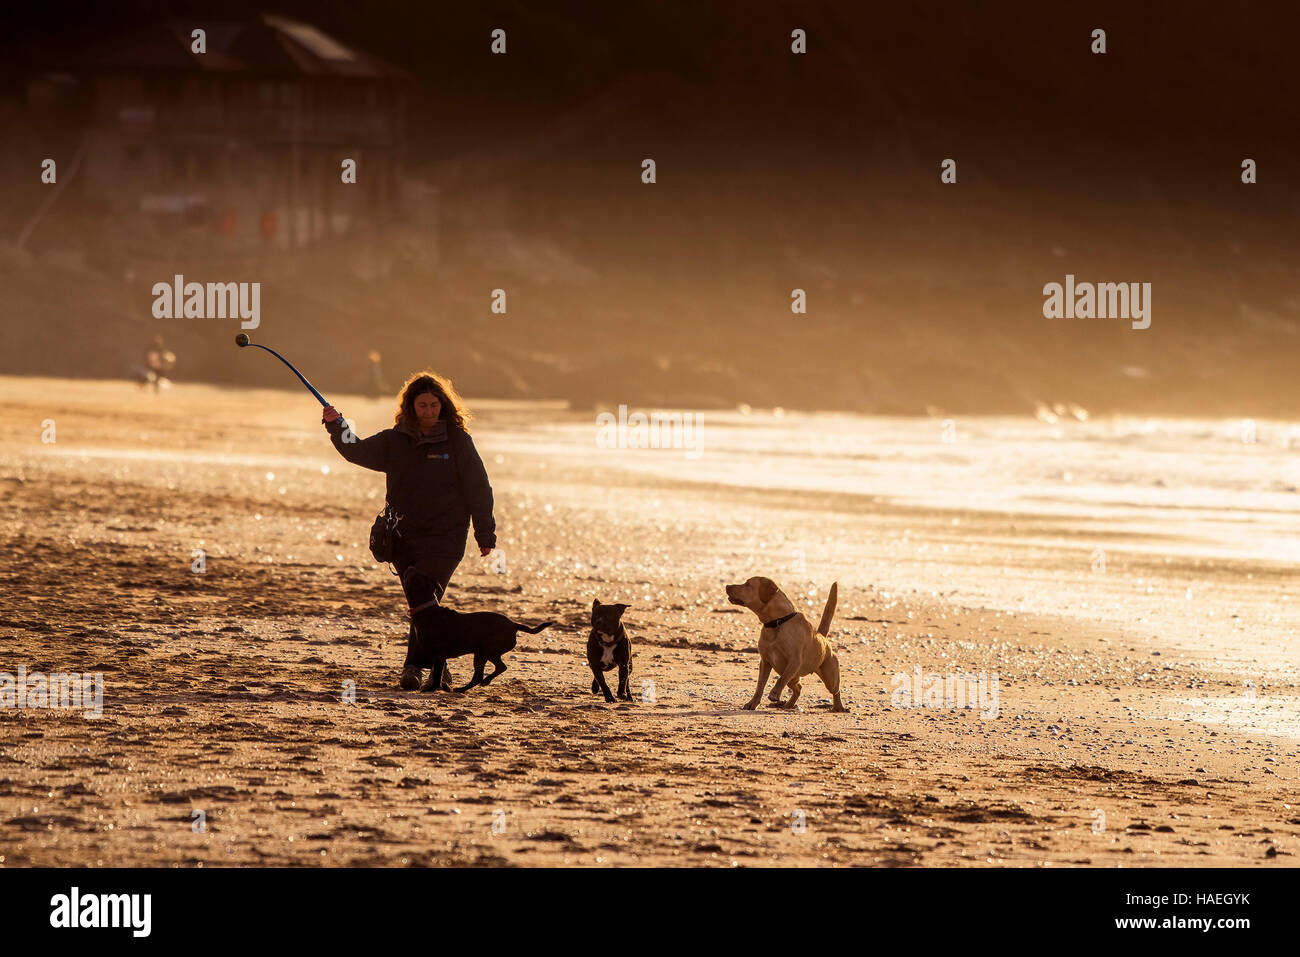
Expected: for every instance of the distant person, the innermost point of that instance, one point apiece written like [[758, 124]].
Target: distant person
[[378, 381], [158, 364], [435, 481]]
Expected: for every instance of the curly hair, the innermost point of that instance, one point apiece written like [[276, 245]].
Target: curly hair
[[453, 410]]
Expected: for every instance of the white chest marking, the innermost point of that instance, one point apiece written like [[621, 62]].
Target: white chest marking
[[607, 643]]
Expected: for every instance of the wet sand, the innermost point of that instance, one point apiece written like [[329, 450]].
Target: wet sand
[[1147, 694]]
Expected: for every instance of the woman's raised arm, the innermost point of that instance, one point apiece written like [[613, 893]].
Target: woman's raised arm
[[370, 453]]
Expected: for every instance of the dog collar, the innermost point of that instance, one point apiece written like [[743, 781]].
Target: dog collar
[[780, 621], [427, 604]]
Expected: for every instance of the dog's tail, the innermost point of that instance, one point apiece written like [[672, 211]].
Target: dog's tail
[[535, 628], [829, 611]]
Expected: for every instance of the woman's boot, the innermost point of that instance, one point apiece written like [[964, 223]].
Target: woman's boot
[[410, 673]]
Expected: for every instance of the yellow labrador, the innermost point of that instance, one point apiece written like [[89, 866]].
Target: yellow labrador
[[787, 642]]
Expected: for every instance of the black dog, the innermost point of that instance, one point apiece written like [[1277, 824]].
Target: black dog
[[441, 633], [608, 646]]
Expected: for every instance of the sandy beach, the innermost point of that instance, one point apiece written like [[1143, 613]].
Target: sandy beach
[[1127, 583]]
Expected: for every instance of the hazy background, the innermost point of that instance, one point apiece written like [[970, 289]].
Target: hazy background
[[775, 171]]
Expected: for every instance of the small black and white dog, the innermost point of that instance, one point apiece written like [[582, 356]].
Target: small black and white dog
[[609, 647]]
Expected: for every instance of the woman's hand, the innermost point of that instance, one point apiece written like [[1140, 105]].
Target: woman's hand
[[329, 414], [485, 552]]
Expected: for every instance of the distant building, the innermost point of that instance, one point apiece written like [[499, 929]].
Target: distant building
[[247, 137]]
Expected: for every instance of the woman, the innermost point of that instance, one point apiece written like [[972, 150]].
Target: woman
[[436, 482]]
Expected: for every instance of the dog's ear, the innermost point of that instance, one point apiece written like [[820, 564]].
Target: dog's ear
[[622, 607], [766, 589], [595, 603]]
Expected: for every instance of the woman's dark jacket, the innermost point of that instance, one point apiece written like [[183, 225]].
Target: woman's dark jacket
[[436, 482]]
